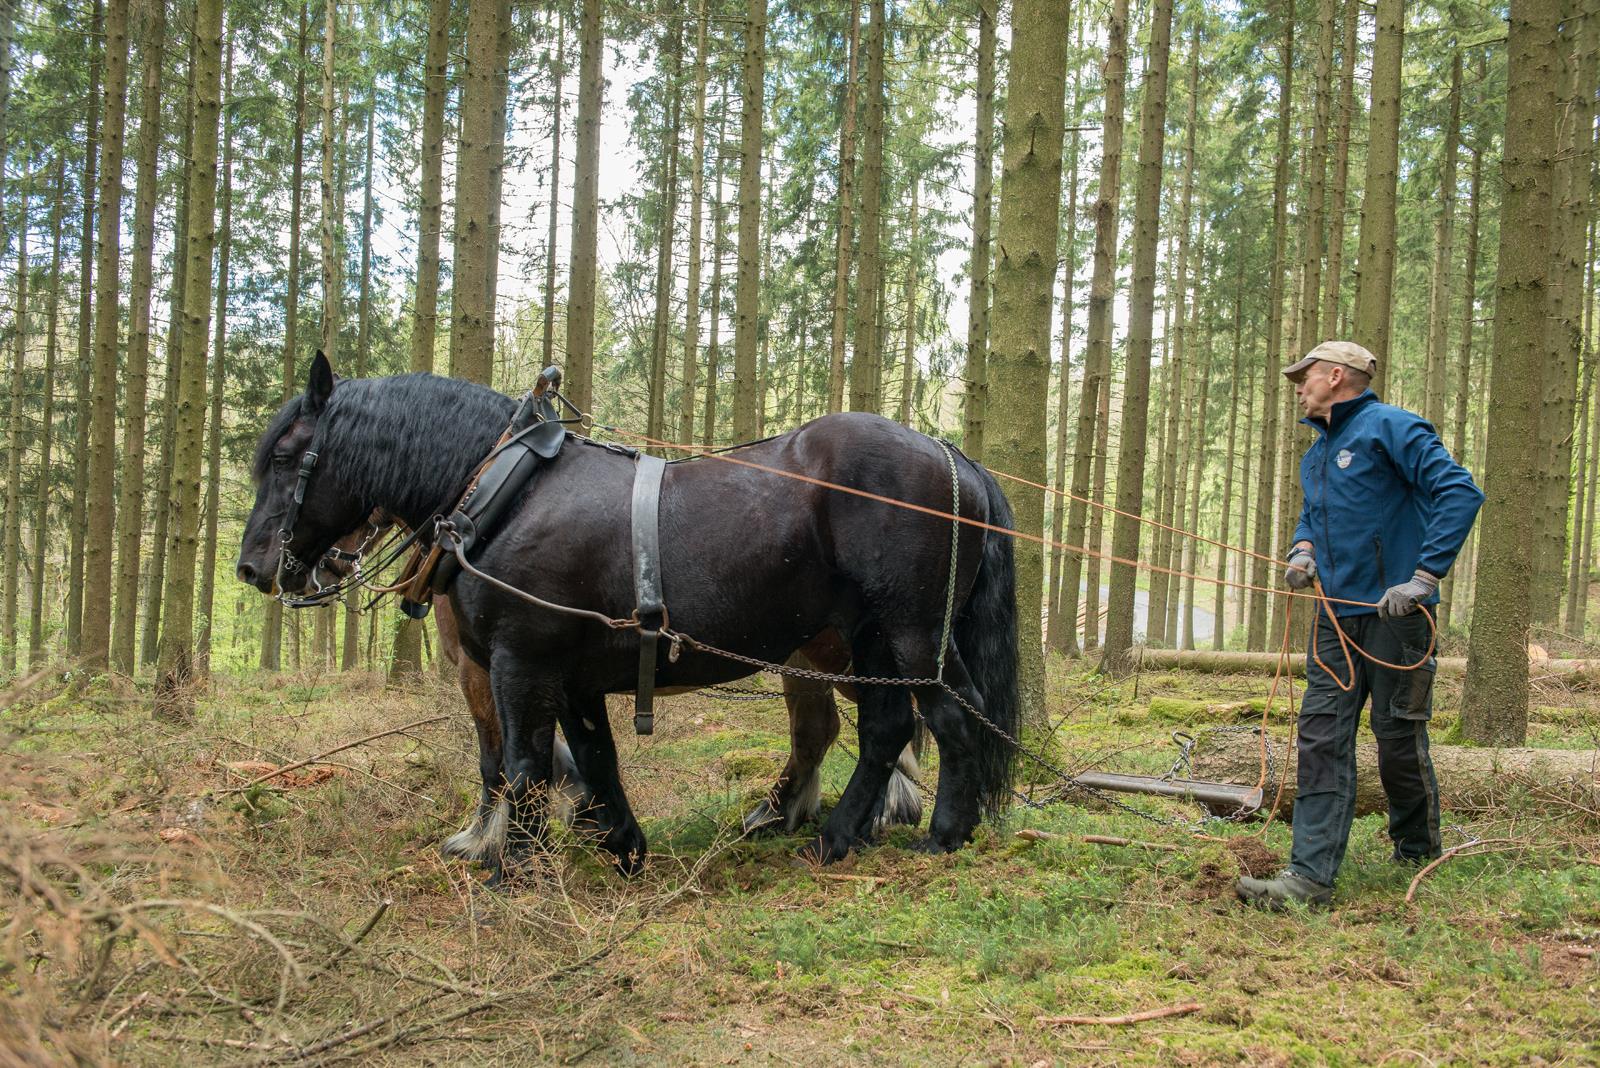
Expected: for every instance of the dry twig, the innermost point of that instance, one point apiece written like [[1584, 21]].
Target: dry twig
[[258, 780], [1121, 1021]]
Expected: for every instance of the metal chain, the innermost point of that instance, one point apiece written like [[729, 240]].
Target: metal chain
[[955, 545]]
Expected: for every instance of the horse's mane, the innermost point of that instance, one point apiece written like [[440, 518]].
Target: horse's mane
[[409, 441]]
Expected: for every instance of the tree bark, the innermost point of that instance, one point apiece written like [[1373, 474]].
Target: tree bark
[[1287, 449], [1219, 629], [747, 297], [844, 234], [1198, 439], [41, 522], [1444, 229], [1469, 307], [81, 393], [130, 506], [208, 555], [1341, 170], [1375, 267], [12, 549], [982, 256], [666, 233], [714, 350], [101, 501], [1024, 287], [1094, 407], [350, 652], [175, 666], [1061, 632], [1309, 330], [907, 375], [1141, 314], [272, 627], [559, 74], [584, 269], [864, 361], [1495, 700], [697, 190], [430, 214], [1579, 47]]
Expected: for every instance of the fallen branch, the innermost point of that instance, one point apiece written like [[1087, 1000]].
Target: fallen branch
[[1028, 834], [1411, 891], [258, 780], [875, 880], [1580, 951], [1122, 1021]]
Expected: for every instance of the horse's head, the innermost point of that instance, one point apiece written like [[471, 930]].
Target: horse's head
[[300, 510]]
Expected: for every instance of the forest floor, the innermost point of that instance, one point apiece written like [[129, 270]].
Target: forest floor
[[151, 912]]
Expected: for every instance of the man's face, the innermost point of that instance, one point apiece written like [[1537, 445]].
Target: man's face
[[1318, 388]]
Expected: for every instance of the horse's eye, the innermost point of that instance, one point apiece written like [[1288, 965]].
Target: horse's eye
[[280, 462]]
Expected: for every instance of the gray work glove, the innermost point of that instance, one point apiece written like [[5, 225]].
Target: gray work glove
[[1302, 570], [1403, 599]]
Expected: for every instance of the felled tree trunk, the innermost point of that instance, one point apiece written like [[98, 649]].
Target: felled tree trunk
[[1469, 777], [1222, 663]]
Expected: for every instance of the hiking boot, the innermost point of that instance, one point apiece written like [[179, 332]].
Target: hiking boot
[[1288, 887]]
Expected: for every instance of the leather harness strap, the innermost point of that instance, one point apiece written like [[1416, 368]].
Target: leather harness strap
[[651, 610]]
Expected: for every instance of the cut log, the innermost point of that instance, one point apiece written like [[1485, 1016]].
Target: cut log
[[1212, 662], [1469, 777]]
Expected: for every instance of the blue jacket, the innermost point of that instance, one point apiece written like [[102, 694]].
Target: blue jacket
[[1383, 498]]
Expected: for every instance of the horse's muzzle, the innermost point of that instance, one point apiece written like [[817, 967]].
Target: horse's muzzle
[[250, 575]]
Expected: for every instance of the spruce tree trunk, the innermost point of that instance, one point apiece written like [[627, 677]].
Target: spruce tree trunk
[[1061, 632], [272, 627], [1494, 708], [697, 190], [1089, 450], [1219, 631], [1579, 49], [152, 31], [907, 375], [101, 502], [12, 549], [430, 213], [1444, 230], [155, 582], [1578, 617], [41, 521], [864, 361], [1469, 307], [331, 230], [747, 297], [708, 423], [1163, 586], [351, 650], [1290, 445], [982, 257], [1197, 447], [845, 232], [583, 269], [1309, 330], [666, 233], [208, 555], [406, 658], [556, 92], [480, 156], [175, 667], [81, 396], [1341, 171], [1024, 286], [1257, 633], [1375, 266], [1141, 313]]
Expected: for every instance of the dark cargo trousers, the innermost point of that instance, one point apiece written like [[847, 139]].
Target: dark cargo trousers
[[1402, 702]]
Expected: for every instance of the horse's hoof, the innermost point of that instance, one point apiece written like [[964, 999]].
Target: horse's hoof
[[628, 851], [824, 850], [763, 820], [933, 846]]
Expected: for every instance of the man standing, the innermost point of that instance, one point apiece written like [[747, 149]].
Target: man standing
[[1386, 511]]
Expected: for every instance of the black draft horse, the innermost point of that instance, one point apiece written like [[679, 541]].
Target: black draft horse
[[752, 562]]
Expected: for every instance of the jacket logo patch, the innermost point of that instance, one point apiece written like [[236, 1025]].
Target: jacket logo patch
[[1344, 458]]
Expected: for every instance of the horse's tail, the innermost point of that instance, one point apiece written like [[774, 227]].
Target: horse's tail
[[986, 635]]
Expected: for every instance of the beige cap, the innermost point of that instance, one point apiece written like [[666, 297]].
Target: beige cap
[[1343, 353]]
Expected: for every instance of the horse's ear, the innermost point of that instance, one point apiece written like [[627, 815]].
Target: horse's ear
[[319, 385]]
